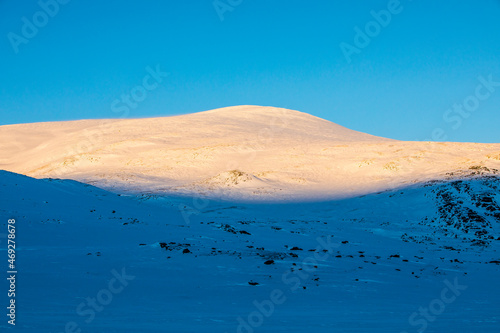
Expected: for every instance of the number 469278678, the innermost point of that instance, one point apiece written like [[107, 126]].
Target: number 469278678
[[11, 243]]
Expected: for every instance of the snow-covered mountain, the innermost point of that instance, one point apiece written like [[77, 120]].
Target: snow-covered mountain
[[246, 152], [248, 219]]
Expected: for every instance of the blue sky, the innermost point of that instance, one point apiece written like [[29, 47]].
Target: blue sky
[[428, 56]]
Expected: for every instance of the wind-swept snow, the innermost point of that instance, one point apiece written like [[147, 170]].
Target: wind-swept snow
[[416, 250], [397, 261], [287, 154]]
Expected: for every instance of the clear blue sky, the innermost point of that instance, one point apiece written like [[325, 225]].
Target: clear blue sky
[[275, 53]]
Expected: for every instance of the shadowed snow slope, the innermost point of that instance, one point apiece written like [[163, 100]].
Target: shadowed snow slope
[[365, 264], [281, 154]]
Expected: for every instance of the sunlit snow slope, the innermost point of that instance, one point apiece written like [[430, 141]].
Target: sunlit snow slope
[[249, 152]]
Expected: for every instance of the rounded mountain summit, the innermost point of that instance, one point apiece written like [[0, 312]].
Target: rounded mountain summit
[[243, 152]]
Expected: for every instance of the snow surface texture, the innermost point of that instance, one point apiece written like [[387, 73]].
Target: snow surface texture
[[416, 252], [244, 152], [387, 255]]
